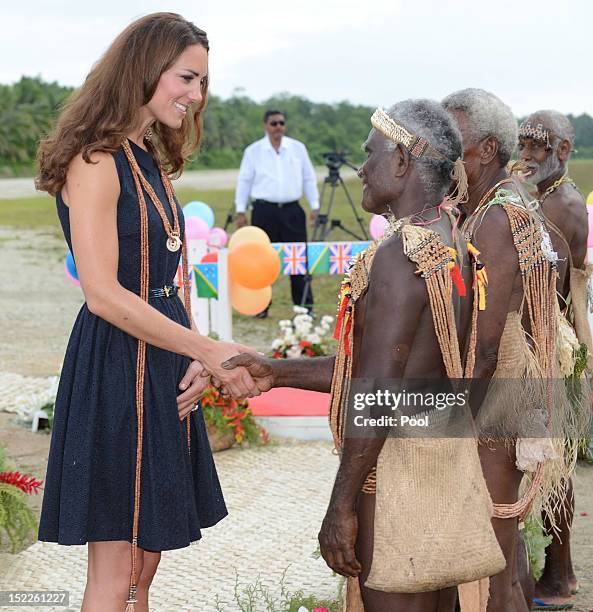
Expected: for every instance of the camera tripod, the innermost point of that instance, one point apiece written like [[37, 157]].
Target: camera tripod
[[323, 223]]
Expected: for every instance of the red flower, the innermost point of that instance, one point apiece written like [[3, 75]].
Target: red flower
[[234, 412], [304, 343], [24, 482]]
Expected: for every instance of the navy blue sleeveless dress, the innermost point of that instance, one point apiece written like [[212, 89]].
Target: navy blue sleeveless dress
[[89, 487]]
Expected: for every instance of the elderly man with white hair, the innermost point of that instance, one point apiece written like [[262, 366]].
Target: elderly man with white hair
[[515, 272], [545, 144], [399, 502], [546, 141]]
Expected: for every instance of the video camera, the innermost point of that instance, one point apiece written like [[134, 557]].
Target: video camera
[[335, 159]]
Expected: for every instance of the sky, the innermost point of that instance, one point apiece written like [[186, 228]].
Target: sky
[[532, 54]]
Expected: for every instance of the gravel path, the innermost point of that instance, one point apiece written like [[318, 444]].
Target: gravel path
[[276, 497], [38, 304]]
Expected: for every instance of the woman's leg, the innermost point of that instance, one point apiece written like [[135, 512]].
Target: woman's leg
[[151, 562], [108, 576]]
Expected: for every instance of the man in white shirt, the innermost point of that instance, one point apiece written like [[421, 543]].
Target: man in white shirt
[[274, 172]]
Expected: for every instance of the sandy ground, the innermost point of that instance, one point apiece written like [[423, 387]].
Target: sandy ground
[[37, 309], [38, 304]]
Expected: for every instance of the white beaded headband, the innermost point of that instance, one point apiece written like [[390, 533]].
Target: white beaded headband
[[526, 130], [418, 146]]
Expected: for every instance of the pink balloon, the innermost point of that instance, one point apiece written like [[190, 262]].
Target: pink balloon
[[196, 228], [590, 219], [217, 237], [377, 226], [73, 280]]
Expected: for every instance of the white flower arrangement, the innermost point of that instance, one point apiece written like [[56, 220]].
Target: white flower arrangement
[[26, 395], [300, 338]]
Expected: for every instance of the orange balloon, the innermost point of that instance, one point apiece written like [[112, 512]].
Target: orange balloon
[[250, 301], [254, 265], [249, 233]]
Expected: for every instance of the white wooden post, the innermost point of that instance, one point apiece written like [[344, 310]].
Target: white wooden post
[[210, 314], [221, 312], [196, 249]]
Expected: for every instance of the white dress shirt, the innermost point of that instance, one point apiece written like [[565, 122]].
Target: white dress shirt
[[276, 176]]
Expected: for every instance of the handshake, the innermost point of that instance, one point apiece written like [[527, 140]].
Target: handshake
[[243, 374]]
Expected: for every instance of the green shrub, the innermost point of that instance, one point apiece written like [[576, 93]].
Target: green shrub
[[17, 520]]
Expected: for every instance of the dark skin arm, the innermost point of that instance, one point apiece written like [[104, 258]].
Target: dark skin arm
[[390, 323], [314, 374], [494, 240], [566, 209]]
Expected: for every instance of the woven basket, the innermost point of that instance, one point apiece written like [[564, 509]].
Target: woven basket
[[433, 514]]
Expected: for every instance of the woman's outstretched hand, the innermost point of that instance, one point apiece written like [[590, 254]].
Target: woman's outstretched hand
[[237, 381], [257, 365]]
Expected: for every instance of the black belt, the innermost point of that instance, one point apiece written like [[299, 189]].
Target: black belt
[[278, 204], [167, 291]]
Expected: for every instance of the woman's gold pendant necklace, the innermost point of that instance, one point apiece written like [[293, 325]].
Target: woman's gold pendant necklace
[[173, 233], [173, 243]]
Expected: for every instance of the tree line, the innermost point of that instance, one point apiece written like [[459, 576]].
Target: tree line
[[29, 107]]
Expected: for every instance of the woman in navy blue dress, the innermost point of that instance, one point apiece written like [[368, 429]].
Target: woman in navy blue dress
[[130, 470]]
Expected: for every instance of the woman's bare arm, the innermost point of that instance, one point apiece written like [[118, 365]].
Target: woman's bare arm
[[91, 192]]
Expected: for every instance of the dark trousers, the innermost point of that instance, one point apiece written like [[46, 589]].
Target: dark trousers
[[286, 223]]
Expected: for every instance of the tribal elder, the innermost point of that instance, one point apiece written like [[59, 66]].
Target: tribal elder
[[545, 144], [401, 316], [514, 258]]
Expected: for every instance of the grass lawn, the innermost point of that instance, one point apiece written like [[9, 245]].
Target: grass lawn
[[40, 211], [581, 171]]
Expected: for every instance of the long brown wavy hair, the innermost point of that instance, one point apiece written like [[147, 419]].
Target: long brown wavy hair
[[99, 115]]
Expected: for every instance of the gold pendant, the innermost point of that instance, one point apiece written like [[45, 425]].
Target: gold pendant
[[173, 243]]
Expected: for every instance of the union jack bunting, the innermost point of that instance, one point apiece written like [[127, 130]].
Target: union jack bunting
[[340, 254], [294, 260]]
